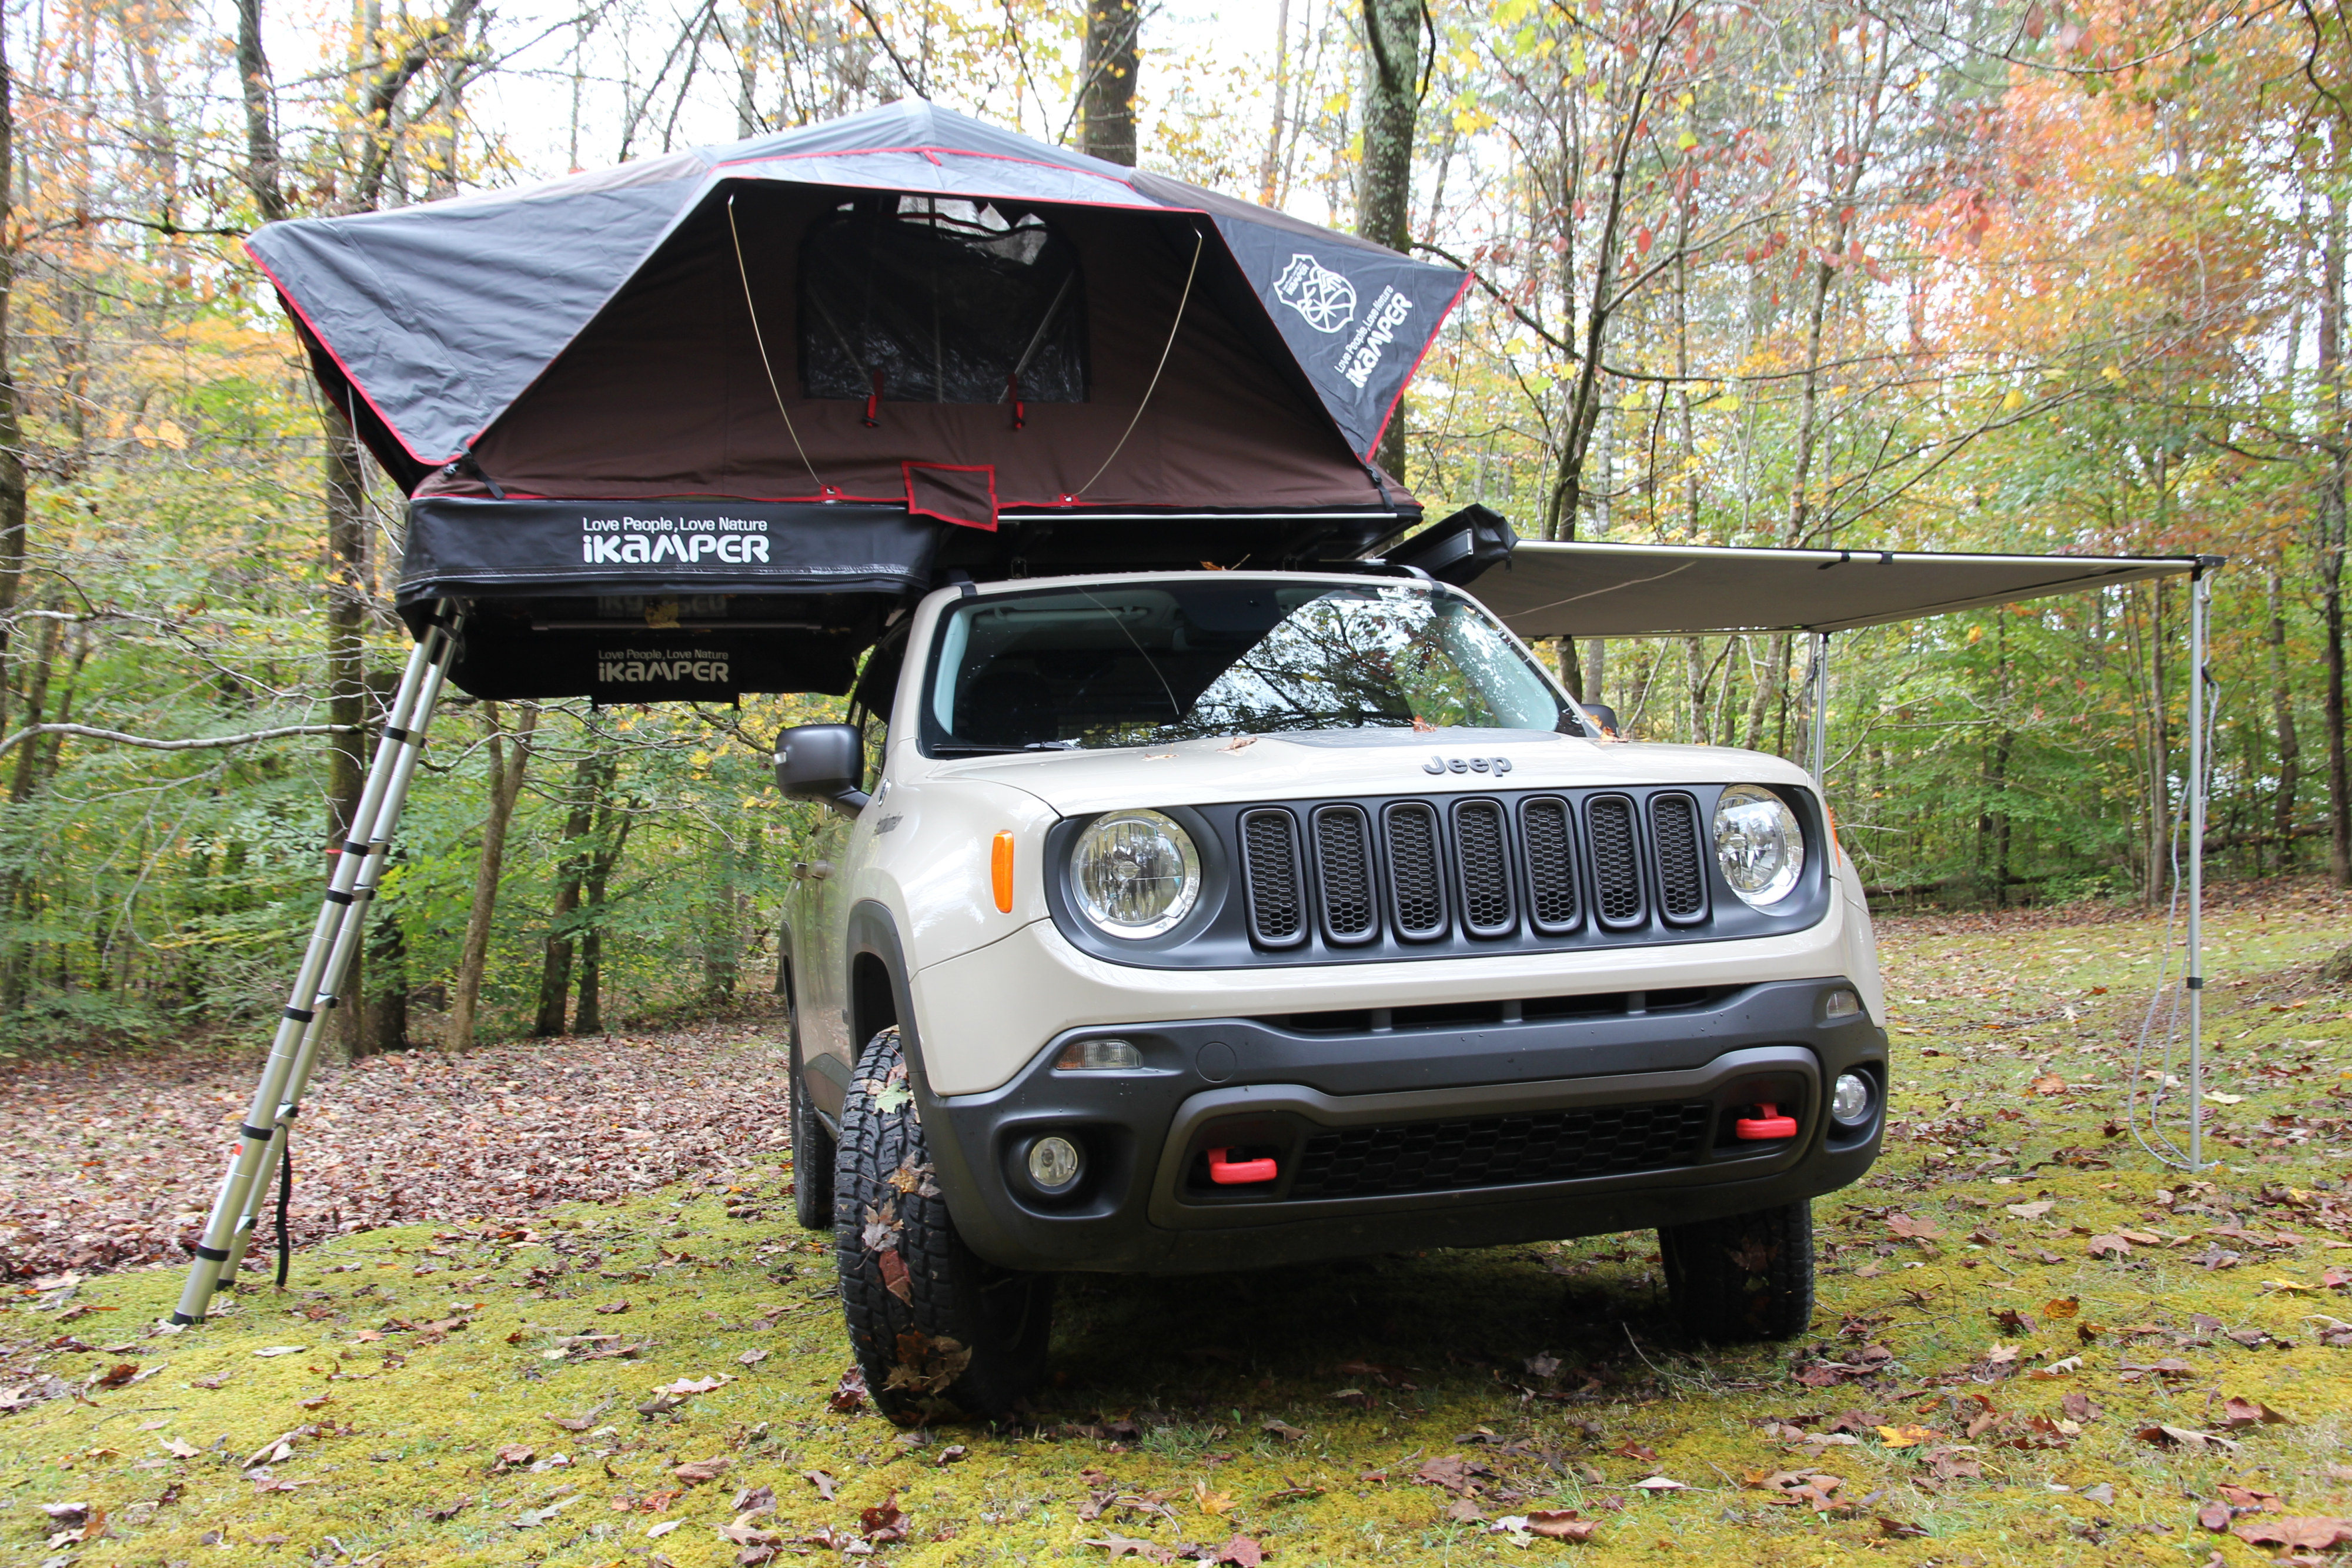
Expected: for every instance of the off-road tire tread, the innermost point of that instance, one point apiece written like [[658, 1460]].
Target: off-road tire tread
[[944, 1278], [813, 1148], [1743, 1276]]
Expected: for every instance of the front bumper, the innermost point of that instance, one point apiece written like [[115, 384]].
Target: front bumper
[[1560, 1118]]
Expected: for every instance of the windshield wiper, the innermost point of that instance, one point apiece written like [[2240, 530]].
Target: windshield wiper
[[1054, 746], [961, 749]]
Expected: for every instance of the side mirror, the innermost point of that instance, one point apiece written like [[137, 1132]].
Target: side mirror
[[1602, 716], [822, 762]]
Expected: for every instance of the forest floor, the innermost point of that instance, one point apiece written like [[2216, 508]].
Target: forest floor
[[599, 1339]]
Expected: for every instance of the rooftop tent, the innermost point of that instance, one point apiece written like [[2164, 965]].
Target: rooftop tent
[[829, 363]]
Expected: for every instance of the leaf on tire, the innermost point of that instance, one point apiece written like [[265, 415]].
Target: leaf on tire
[[882, 1227], [925, 1364], [895, 1278]]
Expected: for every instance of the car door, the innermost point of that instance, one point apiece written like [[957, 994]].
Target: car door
[[829, 887]]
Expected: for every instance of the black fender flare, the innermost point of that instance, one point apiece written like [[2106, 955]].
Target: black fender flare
[[873, 932]]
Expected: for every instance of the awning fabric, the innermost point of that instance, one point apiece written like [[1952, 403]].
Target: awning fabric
[[1579, 589]]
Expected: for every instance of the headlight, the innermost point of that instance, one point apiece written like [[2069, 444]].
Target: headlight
[[1136, 872], [1759, 844]]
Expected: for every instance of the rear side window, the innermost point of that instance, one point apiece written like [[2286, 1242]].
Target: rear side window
[[926, 299]]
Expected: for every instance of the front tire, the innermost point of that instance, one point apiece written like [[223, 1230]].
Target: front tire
[[936, 1329], [1743, 1276]]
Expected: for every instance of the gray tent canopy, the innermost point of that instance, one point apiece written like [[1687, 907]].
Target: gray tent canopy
[[833, 363]]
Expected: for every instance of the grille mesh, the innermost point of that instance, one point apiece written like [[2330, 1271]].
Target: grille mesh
[[1343, 858], [1419, 885], [1616, 863], [1485, 867], [1270, 860], [1682, 875], [1545, 841], [1500, 1151]]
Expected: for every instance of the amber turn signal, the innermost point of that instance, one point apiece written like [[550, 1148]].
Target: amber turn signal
[[999, 870]]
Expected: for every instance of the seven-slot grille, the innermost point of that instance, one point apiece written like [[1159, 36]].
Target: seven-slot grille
[[1494, 1151], [1487, 863]]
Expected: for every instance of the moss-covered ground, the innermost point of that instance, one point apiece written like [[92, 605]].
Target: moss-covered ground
[[2013, 1308]]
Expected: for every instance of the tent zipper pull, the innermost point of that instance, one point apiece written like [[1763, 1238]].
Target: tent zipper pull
[[874, 401], [1012, 390]]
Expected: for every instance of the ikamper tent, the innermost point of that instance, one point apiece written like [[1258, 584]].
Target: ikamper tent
[[783, 381], [694, 427]]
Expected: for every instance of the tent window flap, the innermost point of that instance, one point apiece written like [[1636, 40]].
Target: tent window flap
[[924, 299]]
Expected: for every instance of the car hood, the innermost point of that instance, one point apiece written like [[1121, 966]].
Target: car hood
[[1357, 762]]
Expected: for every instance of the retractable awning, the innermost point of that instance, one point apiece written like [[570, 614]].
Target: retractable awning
[[1579, 589]]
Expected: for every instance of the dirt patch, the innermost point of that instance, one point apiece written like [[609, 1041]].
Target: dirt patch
[[115, 1157]]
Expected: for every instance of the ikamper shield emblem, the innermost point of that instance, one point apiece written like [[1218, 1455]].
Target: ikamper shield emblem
[[1325, 299]]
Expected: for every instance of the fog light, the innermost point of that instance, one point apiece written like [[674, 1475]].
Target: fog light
[[1053, 1162], [1840, 1005], [1098, 1056], [1849, 1103]]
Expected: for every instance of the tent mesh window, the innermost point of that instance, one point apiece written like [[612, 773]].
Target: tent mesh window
[[926, 299]]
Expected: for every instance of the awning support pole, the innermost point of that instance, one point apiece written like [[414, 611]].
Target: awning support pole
[[2201, 597], [358, 866], [1820, 684]]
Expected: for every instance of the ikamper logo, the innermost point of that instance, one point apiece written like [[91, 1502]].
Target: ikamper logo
[[630, 541], [1325, 300], [630, 667]]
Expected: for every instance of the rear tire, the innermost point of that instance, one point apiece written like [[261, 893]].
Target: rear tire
[[936, 1330], [813, 1147], [1744, 1276]]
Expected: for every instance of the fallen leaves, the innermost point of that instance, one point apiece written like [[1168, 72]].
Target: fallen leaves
[[696, 1472], [2164, 1436], [2296, 1532]]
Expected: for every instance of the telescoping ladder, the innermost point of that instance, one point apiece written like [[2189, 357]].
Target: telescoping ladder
[[358, 867]]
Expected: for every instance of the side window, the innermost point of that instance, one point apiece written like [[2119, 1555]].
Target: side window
[[869, 705], [874, 725]]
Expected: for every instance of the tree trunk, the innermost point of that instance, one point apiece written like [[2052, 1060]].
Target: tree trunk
[[261, 158], [590, 778], [347, 606], [1106, 94], [12, 433], [387, 1014], [1384, 179], [2290, 747], [2331, 531], [1269, 174], [506, 785], [589, 1018], [15, 884]]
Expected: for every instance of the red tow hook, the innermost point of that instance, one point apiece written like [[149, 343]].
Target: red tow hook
[[1768, 1125], [1239, 1172]]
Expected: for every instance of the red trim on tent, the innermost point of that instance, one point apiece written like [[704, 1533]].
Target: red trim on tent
[[357, 385], [1428, 344]]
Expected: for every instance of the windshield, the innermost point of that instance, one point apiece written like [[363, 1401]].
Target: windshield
[[1138, 665]]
